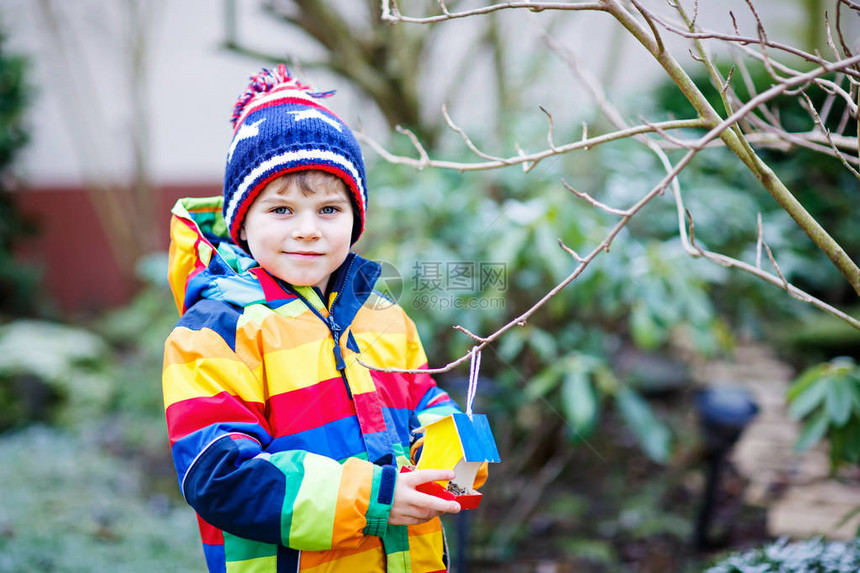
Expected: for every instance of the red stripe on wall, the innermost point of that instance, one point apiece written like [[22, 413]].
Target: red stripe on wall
[[79, 270]]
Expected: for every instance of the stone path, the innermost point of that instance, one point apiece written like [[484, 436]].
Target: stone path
[[802, 498]]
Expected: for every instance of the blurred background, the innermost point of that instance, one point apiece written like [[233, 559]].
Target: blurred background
[[660, 414]]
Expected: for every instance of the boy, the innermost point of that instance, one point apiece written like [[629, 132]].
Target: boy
[[288, 448]]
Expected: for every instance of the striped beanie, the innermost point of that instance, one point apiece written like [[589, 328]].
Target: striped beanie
[[280, 127]]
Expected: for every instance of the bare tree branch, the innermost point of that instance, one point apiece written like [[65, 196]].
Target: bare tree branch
[[738, 130], [529, 158], [391, 14], [761, 41]]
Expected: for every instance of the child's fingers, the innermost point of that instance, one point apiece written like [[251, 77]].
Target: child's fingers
[[423, 476], [423, 501], [411, 506], [421, 512], [433, 504]]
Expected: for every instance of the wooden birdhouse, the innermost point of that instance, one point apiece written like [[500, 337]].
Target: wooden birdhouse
[[459, 442]]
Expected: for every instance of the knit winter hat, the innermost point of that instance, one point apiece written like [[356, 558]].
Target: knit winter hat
[[280, 127]]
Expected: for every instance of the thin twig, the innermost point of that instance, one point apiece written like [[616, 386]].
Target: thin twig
[[691, 231], [570, 251], [829, 35], [424, 158], [527, 165], [469, 333], [826, 132], [646, 15], [466, 139], [845, 48], [594, 202], [550, 129], [677, 142], [770, 256], [728, 82], [759, 242], [393, 16]]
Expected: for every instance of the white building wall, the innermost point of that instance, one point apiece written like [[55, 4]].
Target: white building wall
[[193, 81]]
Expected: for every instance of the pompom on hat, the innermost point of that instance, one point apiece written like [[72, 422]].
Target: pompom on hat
[[280, 127]]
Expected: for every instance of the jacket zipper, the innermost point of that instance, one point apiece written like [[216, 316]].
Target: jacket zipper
[[335, 329]]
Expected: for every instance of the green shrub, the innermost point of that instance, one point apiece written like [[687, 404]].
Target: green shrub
[[826, 397], [18, 281], [643, 293], [72, 506], [52, 372], [809, 556]]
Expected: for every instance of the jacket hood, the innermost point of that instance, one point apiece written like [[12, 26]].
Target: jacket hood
[[204, 263]]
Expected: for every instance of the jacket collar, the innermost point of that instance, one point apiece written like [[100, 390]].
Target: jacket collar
[[352, 284]]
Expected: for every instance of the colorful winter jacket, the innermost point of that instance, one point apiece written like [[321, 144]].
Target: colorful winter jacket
[[286, 447]]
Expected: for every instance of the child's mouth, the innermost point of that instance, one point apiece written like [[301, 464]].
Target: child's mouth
[[304, 255]]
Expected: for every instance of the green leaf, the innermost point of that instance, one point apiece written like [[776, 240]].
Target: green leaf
[[653, 435], [540, 385], [808, 399], [838, 444], [853, 382], [578, 399], [812, 432], [512, 344], [838, 400], [847, 517], [851, 450], [855, 398], [543, 343], [509, 245], [605, 380], [554, 259], [805, 380], [646, 332]]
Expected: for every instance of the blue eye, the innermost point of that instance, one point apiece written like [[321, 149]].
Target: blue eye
[[280, 211], [329, 210]]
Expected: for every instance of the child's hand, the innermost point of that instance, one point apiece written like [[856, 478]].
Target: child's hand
[[410, 506]]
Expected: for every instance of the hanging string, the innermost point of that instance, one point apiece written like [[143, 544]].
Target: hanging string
[[474, 368]]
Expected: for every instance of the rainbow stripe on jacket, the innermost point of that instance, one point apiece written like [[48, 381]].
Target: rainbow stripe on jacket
[[286, 447]]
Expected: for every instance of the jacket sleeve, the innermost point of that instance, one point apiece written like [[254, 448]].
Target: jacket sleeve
[[215, 406], [428, 401]]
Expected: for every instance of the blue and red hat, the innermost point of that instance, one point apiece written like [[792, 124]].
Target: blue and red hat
[[280, 127]]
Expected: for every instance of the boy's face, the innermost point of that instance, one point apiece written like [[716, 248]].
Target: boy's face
[[299, 228]]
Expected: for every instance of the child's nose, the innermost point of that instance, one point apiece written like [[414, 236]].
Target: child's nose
[[307, 227]]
